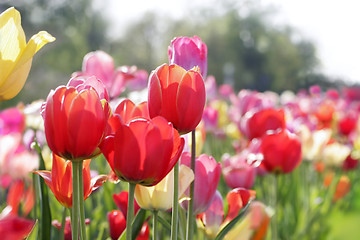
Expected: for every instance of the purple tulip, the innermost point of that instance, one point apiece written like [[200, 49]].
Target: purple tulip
[[188, 53]]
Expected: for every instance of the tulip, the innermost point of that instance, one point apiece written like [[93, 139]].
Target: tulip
[[67, 227], [350, 163], [171, 89], [75, 118], [211, 220], [207, 177], [237, 172], [142, 151], [255, 124], [15, 161], [342, 188], [159, 197], [127, 110], [121, 201], [12, 120], [14, 227], [334, 154], [281, 150], [348, 123], [101, 65], [59, 180], [253, 226], [188, 53], [16, 55], [117, 224], [18, 194]]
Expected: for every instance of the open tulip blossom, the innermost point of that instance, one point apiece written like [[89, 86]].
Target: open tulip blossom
[[15, 54]]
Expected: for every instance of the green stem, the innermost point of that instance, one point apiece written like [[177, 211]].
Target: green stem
[[61, 234], [81, 200], [190, 219], [274, 230], [76, 203], [175, 209], [130, 211], [155, 228]]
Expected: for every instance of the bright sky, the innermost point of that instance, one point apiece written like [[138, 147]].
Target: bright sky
[[332, 25]]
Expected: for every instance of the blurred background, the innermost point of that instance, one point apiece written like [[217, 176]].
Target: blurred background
[[264, 45]]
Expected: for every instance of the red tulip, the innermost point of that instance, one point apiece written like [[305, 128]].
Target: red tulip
[[121, 201], [14, 227], [350, 163], [128, 110], [207, 177], [281, 150], [75, 118], [177, 95], [255, 124], [348, 123], [142, 151], [188, 53], [59, 180], [117, 224], [18, 194]]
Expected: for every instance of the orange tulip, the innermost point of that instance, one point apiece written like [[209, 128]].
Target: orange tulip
[[59, 180]]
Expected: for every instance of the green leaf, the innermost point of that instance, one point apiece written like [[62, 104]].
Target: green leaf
[[232, 223], [45, 220]]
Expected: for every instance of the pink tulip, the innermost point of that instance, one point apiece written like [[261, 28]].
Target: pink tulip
[[188, 53], [213, 217], [101, 65], [237, 171], [11, 120], [207, 177]]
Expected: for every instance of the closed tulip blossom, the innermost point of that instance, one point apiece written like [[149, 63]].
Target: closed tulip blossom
[[75, 118], [15, 54], [281, 151], [237, 171], [127, 110], [255, 123], [117, 224], [211, 220], [159, 197], [101, 65], [59, 180], [142, 151], [121, 201], [207, 177], [171, 90], [189, 52]]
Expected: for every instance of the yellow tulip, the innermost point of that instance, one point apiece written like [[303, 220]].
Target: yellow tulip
[[159, 197], [16, 55]]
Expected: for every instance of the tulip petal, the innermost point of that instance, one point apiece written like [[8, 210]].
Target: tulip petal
[[192, 89], [12, 41], [155, 95], [86, 112]]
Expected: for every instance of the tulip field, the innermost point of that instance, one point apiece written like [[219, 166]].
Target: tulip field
[[120, 153]]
